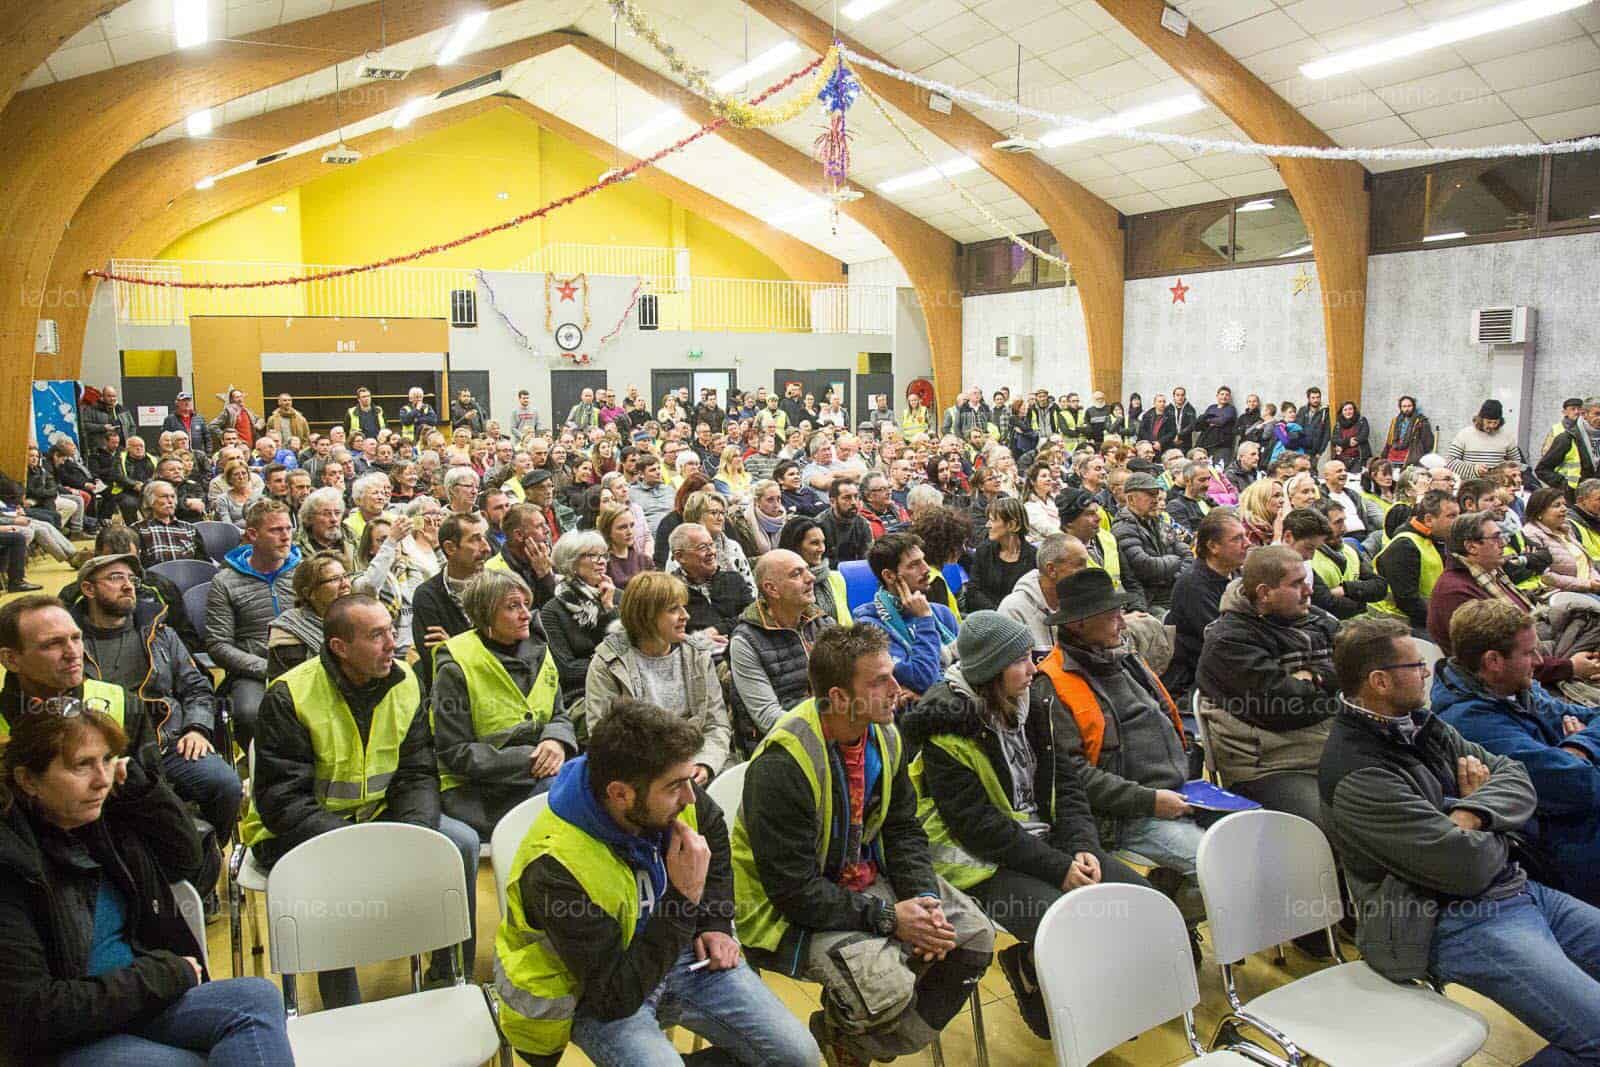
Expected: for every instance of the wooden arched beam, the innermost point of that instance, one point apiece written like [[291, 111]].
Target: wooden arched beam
[[143, 183], [1330, 194], [800, 261], [31, 31], [928, 256], [58, 140], [1086, 227]]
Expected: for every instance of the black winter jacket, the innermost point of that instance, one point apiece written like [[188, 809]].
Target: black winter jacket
[[433, 606], [977, 825], [144, 840], [286, 771], [1153, 552], [176, 695], [573, 645]]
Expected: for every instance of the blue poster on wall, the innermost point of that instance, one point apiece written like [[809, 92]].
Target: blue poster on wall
[[55, 411]]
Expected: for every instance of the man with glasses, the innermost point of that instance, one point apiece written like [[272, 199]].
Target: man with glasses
[[1475, 571], [1424, 821], [717, 597], [127, 642]]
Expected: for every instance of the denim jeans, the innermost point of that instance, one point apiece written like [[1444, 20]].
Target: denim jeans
[[1169, 843], [210, 782], [1538, 956], [340, 988], [733, 1010], [237, 1022]]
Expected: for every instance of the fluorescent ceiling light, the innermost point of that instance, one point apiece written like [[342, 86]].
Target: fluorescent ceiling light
[[959, 165], [1489, 20], [1302, 250], [408, 111], [205, 183], [460, 37], [1445, 236], [650, 127], [1257, 205], [190, 22], [1134, 117], [771, 59], [199, 123], [860, 9]]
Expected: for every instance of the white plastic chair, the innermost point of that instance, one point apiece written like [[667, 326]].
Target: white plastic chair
[[1268, 877], [374, 892], [1142, 974], [507, 837], [187, 900], [727, 789], [1201, 708], [1431, 652]]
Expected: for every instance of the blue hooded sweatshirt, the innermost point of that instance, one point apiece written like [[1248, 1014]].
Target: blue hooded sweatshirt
[[573, 800], [239, 560], [1527, 728]]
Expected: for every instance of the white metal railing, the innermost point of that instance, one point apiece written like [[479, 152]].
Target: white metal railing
[[648, 261], [683, 303]]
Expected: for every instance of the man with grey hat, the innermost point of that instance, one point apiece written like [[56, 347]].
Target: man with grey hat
[[1123, 725], [1149, 545]]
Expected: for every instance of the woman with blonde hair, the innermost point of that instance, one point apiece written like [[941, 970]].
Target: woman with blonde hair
[[710, 509], [1261, 507], [732, 481], [759, 522], [231, 504], [623, 559], [652, 660], [614, 490], [296, 635]]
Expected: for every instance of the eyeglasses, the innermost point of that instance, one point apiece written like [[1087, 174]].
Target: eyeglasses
[[594, 557], [334, 578], [1419, 665], [116, 578]]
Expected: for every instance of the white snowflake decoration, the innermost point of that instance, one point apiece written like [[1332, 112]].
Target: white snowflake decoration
[[1232, 337]]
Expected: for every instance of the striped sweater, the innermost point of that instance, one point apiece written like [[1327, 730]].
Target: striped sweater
[[1472, 447]]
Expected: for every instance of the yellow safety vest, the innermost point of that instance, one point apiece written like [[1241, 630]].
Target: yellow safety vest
[[353, 414], [950, 861], [1074, 426], [1515, 545], [1112, 562], [350, 778], [1334, 574], [108, 693], [1572, 463], [538, 992], [1432, 568], [799, 733], [1588, 539], [496, 704], [841, 599]]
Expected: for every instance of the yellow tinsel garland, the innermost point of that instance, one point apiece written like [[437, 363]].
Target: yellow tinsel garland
[[737, 112]]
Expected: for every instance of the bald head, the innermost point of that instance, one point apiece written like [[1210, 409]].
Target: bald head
[[785, 581]]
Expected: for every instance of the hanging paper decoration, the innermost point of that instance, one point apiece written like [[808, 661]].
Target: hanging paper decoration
[[833, 147], [565, 290]]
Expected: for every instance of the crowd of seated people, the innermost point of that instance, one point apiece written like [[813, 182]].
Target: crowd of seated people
[[961, 690]]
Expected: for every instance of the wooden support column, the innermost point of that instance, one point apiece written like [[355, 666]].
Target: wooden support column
[[1330, 194], [59, 140], [1085, 225], [928, 255]]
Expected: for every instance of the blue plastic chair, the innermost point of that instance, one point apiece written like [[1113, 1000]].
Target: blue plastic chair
[[859, 584], [186, 573]]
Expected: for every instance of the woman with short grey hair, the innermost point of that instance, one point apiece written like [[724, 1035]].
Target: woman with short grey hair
[[583, 609], [500, 728], [322, 527]]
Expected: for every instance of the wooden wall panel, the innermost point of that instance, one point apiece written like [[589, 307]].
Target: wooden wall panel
[[1330, 194], [59, 140]]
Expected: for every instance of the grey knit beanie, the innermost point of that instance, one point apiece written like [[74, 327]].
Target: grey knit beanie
[[989, 642]]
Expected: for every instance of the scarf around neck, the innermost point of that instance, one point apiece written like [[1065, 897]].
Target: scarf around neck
[[581, 600]]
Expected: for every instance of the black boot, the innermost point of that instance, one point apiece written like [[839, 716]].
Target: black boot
[[1017, 963]]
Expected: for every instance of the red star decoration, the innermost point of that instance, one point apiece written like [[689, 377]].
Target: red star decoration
[[1179, 291], [567, 290]]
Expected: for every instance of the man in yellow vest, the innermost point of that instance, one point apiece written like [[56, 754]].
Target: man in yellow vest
[[1413, 561], [342, 739], [499, 729], [832, 871], [41, 649], [1584, 516], [1572, 451], [619, 913], [1351, 581]]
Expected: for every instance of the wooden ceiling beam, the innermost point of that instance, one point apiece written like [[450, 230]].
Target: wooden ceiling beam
[[30, 33], [1085, 226], [927, 255], [1331, 195], [59, 140]]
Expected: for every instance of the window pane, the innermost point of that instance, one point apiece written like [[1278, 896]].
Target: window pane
[[1575, 187], [998, 265], [1048, 273], [1399, 202], [1268, 227], [1482, 196], [1179, 240]]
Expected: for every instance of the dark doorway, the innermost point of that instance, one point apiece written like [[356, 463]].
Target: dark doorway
[[816, 382], [478, 382], [868, 386], [693, 379], [159, 392], [566, 389]]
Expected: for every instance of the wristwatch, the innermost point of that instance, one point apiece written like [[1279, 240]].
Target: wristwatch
[[884, 921]]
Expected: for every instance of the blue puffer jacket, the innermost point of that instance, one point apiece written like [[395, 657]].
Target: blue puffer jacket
[[1565, 830]]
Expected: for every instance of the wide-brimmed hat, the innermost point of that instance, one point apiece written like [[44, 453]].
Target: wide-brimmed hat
[[93, 566], [1083, 595]]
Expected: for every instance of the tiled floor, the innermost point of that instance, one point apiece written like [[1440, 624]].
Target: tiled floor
[[1010, 1042]]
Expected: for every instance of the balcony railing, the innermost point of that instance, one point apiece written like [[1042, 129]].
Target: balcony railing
[[743, 305]]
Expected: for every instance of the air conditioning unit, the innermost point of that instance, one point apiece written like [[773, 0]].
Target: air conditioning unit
[[1503, 325], [373, 72], [1013, 346], [341, 155]]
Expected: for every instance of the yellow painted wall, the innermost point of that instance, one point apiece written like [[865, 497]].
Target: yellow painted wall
[[255, 234], [444, 185]]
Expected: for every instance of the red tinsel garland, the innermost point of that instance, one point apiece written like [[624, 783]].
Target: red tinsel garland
[[609, 179]]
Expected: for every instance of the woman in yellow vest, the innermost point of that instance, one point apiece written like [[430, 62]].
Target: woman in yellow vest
[[1007, 819], [499, 729]]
